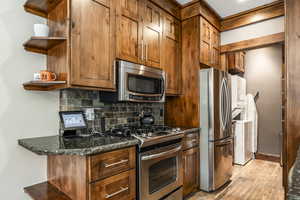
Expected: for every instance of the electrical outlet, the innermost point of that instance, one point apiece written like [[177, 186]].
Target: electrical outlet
[[89, 114]]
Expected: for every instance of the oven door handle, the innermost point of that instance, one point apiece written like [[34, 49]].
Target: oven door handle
[[158, 155]]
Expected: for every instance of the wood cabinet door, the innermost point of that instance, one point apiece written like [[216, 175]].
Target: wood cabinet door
[[205, 40], [152, 34], [118, 187], [215, 47], [128, 23], [171, 59], [93, 43], [191, 170], [224, 62]]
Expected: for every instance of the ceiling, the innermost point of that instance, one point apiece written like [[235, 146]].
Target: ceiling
[[230, 7]]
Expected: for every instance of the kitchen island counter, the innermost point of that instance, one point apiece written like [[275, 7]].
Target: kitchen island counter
[[82, 146]]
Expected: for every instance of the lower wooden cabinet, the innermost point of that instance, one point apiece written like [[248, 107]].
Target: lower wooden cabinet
[[104, 176], [191, 171], [108, 164], [118, 187]]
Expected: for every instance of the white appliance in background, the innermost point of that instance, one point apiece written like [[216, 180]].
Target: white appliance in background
[[238, 94], [242, 142]]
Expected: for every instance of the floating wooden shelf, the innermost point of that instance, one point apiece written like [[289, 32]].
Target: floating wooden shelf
[[45, 191], [42, 44], [40, 7], [44, 85]]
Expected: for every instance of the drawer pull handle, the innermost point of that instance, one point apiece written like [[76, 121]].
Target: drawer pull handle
[[116, 193], [116, 163]]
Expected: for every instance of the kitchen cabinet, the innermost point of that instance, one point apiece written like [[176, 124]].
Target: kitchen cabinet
[[128, 33], [152, 34], [139, 35], [205, 41], [191, 169], [121, 187], [224, 62], [92, 42], [171, 62], [81, 46], [190, 163], [85, 41], [110, 175], [236, 62], [215, 48], [209, 44]]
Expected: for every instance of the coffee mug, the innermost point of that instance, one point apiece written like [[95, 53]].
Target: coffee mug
[[37, 76], [45, 75], [41, 30]]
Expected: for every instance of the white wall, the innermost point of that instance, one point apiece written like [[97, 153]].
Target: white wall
[[264, 28], [23, 113]]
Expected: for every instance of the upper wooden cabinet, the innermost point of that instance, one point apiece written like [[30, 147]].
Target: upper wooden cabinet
[[128, 23], [209, 44], [224, 62], [152, 34], [86, 40], [139, 35], [236, 62], [205, 41], [171, 48], [215, 48], [92, 42]]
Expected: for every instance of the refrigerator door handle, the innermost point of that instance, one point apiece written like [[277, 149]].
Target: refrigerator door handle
[[222, 103], [227, 104]]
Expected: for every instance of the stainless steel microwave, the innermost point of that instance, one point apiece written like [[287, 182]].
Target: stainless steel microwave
[[139, 83]]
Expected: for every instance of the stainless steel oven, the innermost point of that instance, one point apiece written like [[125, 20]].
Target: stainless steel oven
[[140, 83], [160, 172]]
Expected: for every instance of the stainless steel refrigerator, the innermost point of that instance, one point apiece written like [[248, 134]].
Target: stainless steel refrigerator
[[216, 142]]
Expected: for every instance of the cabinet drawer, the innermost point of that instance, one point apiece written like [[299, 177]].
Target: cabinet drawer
[[108, 164], [190, 140], [118, 187]]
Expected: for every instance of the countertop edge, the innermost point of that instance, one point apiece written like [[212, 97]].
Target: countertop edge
[[78, 152]]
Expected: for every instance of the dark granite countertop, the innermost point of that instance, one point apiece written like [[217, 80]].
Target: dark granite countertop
[[294, 180], [56, 145]]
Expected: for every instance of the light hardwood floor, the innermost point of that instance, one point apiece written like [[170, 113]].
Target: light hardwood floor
[[258, 180]]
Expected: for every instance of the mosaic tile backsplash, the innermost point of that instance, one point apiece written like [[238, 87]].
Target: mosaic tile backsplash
[[108, 115]]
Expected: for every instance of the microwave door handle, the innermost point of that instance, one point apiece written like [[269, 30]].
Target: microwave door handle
[[159, 155]]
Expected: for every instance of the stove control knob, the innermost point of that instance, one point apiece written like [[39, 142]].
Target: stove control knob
[[176, 129]]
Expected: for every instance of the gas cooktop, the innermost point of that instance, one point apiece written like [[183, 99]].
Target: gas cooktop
[[147, 135]]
